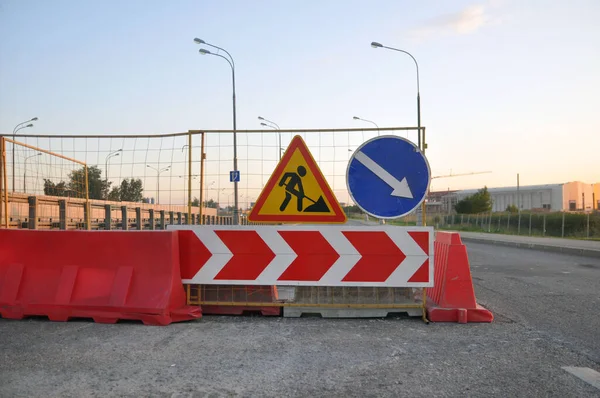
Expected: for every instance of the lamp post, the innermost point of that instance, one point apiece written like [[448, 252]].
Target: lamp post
[[231, 63], [379, 45], [368, 121], [274, 126], [421, 143], [158, 173], [185, 170], [25, 171], [108, 157], [17, 128]]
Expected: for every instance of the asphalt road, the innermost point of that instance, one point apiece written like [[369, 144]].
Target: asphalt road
[[556, 294], [546, 308]]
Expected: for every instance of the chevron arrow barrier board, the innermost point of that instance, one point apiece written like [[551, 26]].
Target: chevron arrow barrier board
[[385, 256]]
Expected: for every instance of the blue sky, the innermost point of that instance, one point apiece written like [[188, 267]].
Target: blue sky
[[506, 86]]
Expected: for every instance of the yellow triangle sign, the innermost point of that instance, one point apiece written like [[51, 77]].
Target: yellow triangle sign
[[297, 192]]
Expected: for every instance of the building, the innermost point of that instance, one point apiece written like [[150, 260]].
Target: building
[[570, 196]]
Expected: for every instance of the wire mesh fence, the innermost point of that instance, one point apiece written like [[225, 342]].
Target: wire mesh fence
[[557, 224], [172, 173]]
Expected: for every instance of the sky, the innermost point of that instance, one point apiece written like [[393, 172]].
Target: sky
[[506, 86]]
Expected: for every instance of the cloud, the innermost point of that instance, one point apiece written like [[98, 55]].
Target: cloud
[[467, 21]]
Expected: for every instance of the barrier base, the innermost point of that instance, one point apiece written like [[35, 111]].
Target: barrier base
[[61, 314], [460, 315], [297, 312], [240, 310]]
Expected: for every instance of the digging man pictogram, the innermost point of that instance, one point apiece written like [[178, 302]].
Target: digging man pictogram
[[293, 186]]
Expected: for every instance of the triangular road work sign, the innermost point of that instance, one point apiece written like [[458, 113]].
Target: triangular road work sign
[[297, 192]]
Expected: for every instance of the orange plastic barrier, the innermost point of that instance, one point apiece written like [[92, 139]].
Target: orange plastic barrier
[[106, 276], [452, 299]]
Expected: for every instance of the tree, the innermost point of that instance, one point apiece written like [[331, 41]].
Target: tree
[[52, 189], [480, 202], [97, 187], [211, 204], [512, 209], [131, 190]]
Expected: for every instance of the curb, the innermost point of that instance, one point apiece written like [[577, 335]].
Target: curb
[[537, 246]]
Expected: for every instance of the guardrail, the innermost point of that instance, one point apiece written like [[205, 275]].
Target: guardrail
[[126, 216]]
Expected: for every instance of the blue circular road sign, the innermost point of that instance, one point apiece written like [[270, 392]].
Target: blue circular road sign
[[388, 177]]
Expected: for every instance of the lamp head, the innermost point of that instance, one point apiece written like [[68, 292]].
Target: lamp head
[[376, 45], [34, 119], [261, 118], [355, 117], [29, 125], [264, 124], [199, 41], [204, 51]]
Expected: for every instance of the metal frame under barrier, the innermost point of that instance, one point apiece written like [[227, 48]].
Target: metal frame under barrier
[[308, 296]]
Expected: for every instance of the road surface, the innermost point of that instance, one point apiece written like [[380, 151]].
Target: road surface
[[547, 317]]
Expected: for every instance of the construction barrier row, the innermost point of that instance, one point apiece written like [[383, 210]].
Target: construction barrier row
[[116, 275], [106, 276]]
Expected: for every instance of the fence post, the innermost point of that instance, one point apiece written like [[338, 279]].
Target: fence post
[[178, 218], [562, 234], [124, 220], [62, 214], [151, 219], [519, 225], [529, 224], [462, 218], [107, 217], [185, 219], [490, 223], [33, 202], [508, 223], [499, 219], [588, 226], [138, 218], [171, 218], [162, 220], [87, 214], [544, 227]]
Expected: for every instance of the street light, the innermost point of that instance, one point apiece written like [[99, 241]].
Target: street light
[[379, 45], [109, 156], [368, 121], [158, 173], [25, 171], [421, 144], [231, 63], [274, 126], [17, 128]]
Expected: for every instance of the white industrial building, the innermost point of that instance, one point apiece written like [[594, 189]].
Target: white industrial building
[[571, 196]]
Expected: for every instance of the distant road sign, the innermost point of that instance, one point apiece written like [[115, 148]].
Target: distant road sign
[[297, 192], [234, 176], [388, 177]]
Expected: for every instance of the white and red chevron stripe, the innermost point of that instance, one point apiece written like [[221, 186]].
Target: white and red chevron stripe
[[307, 255]]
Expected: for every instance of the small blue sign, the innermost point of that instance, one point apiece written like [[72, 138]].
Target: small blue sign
[[234, 176], [388, 177]]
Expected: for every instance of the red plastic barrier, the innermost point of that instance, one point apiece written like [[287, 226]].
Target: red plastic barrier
[[106, 276], [452, 299]]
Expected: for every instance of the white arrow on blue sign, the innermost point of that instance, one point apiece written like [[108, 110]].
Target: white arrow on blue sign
[[234, 176], [388, 177]]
